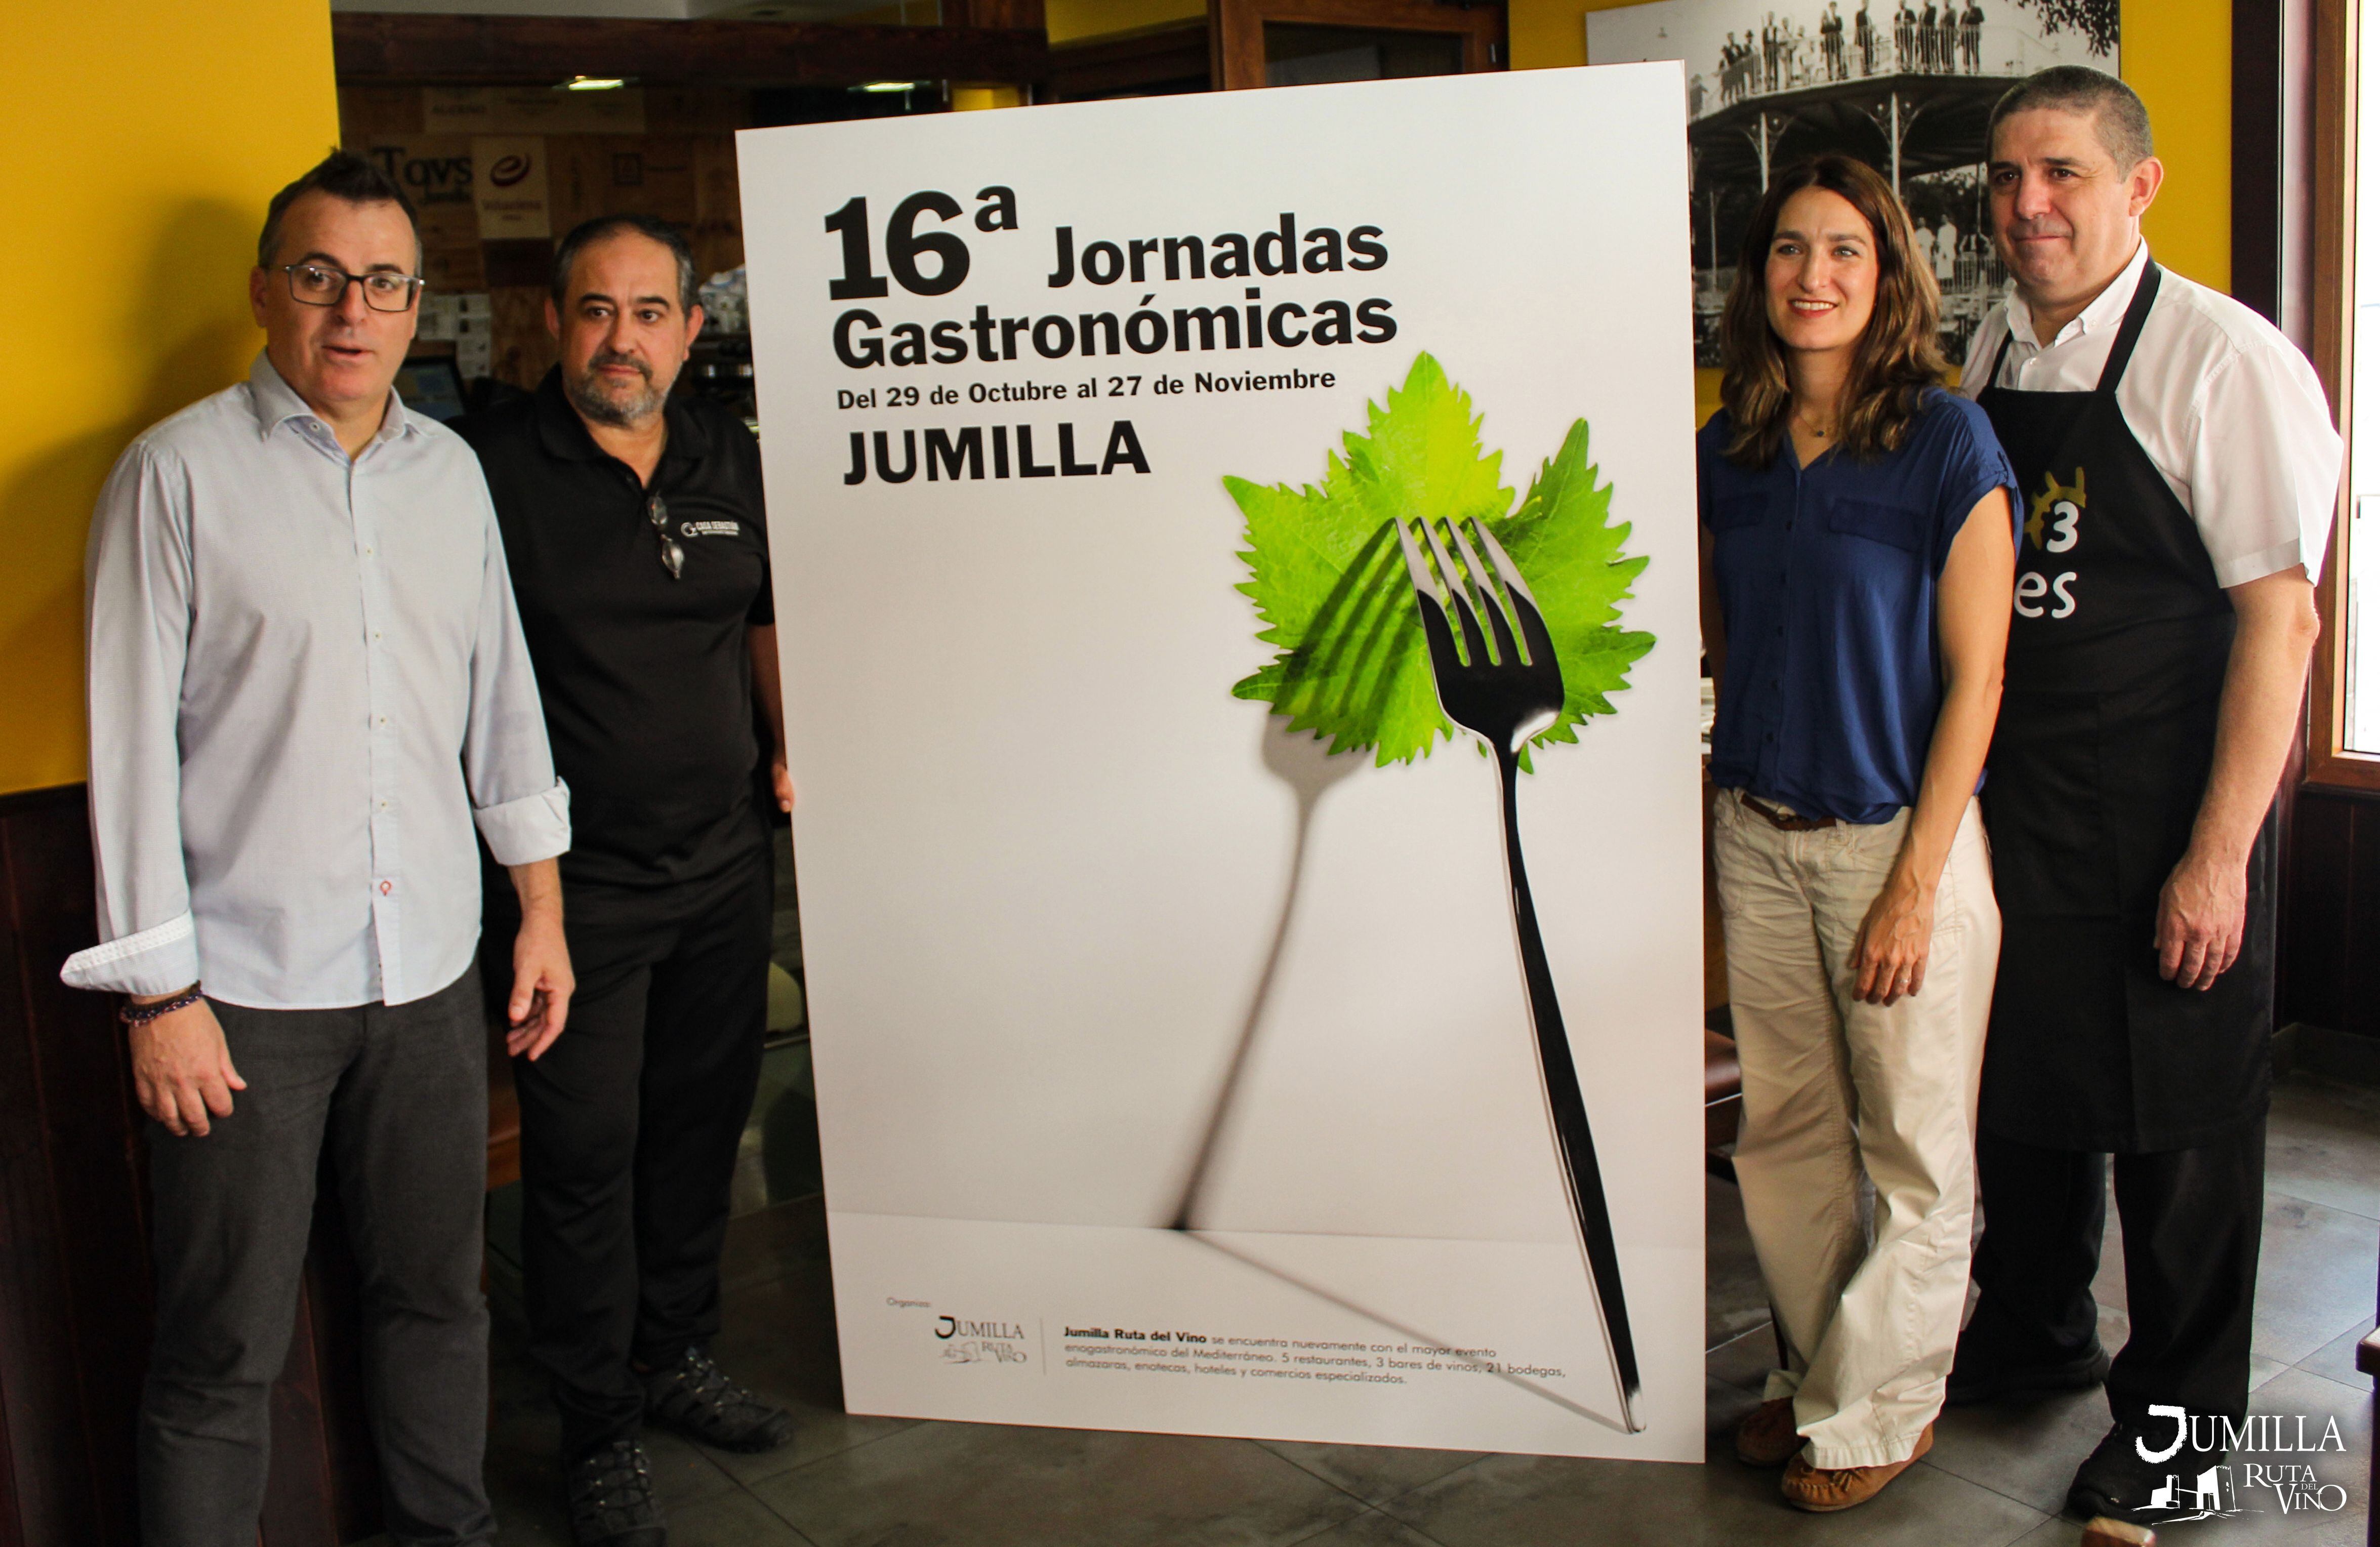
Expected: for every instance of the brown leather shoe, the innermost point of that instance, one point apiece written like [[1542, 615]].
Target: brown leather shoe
[[1766, 1437], [1822, 1490]]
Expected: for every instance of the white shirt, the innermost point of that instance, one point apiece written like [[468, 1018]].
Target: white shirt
[[2227, 410], [307, 681]]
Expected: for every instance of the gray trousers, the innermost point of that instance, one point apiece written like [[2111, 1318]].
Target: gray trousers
[[397, 1097]]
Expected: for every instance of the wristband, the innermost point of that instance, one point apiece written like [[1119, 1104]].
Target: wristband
[[142, 1014]]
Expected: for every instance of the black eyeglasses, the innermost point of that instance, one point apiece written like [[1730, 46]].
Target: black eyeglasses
[[672, 555], [319, 285]]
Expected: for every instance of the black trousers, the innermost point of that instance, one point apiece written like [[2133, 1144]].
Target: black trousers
[[2192, 1221], [389, 1104], [629, 1128]]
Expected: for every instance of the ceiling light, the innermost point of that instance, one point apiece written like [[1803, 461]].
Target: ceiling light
[[888, 86], [591, 83]]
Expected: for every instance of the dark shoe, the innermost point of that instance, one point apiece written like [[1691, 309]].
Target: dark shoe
[[610, 1496], [695, 1398], [2114, 1482], [1824, 1490], [1972, 1381], [1766, 1437]]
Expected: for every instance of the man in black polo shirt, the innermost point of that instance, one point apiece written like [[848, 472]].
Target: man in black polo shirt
[[633, 525]]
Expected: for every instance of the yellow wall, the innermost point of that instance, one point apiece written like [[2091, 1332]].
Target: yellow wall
[[2178, 56], [144, 137]]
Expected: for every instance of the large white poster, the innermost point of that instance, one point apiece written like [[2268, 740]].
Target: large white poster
[[1173, 1073]]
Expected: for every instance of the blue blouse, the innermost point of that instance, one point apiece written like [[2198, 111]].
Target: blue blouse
[[1827, 577]]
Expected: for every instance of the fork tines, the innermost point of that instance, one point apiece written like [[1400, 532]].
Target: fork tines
[[1473, 591]]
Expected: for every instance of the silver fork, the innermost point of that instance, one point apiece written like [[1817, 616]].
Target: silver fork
[[1505, 692]]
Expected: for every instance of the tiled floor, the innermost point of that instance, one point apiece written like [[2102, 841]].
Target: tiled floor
[[1994, 1476]]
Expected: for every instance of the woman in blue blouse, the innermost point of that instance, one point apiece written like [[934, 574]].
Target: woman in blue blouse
[[1858, 535]]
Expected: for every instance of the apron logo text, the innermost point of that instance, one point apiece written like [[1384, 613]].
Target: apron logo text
[[2056, 510], [2050, 527]]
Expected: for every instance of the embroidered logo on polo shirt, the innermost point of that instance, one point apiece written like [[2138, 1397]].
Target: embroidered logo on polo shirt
[[710, 528]]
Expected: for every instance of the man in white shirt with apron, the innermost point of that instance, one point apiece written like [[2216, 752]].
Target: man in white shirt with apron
[[2180, 468]]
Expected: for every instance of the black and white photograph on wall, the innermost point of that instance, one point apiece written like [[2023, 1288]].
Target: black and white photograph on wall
[[1907, 89]]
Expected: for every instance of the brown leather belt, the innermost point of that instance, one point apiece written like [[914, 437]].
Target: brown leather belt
[[1786, 821]]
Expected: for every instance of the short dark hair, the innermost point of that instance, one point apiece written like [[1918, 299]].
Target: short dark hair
[[343, 174], [2116, 110], [586, 233]]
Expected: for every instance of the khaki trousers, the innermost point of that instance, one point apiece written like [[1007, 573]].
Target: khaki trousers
[[1856, 1156]]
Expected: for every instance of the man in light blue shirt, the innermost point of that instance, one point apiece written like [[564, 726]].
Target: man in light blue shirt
[[307, 687]]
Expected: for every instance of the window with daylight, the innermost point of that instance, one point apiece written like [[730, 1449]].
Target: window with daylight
[[2356, 594], [2343, 748]]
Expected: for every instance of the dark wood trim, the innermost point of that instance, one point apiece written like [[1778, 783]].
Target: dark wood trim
[[2257, 147], [2331, 326], [1017, 14], [1120, 65], [48, 797], [499, 50], [1236, 29], [1235, 45]]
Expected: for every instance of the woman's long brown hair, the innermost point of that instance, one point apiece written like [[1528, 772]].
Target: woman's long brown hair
[[1899, 356]]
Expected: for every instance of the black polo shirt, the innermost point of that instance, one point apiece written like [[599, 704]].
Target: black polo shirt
[[646, 680]]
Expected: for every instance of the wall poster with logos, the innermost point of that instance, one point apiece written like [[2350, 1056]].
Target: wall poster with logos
[[508, 185], [1158, 489]]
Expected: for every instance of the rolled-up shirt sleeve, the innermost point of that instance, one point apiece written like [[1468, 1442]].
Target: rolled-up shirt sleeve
[[522, 810], [137, 573], [2263, 464]]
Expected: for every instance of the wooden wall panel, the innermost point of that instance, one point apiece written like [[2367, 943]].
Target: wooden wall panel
[[2330, 929], [696, 110], [523, 348], [717, 232], [681, 169], [74, 1318], [75, 1303], [379, 113]]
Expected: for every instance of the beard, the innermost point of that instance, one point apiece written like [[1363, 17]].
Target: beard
[[620, 408]]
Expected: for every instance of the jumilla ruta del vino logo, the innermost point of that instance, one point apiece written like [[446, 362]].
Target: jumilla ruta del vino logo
[[1330, 581]]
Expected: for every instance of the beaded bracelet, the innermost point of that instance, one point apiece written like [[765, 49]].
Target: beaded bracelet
[[142, 1014]]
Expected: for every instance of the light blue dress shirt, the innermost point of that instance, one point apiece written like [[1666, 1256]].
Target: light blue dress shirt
[[307, 682]]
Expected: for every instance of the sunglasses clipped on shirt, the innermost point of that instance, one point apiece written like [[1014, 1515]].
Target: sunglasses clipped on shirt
[[672, 552]]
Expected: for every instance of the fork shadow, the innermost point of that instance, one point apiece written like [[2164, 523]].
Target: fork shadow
[[1301, 761], [1360, 619], [1411, 1335]]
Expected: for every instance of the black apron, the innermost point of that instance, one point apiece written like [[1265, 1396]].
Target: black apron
[[2107, 734]]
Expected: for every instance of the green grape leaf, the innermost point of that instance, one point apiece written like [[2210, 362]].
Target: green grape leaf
[[1329, 579]]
